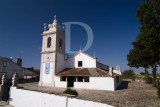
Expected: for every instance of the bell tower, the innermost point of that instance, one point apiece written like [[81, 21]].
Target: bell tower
[[53, 53]]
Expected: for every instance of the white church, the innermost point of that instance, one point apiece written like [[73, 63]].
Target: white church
[[79, 71]]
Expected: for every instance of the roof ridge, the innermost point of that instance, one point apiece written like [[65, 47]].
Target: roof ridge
[[102, 63], [80, 52]]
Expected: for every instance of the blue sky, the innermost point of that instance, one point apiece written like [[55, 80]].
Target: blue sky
[[113, 23]]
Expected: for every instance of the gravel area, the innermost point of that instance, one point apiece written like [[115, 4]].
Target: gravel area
[[130, 94]]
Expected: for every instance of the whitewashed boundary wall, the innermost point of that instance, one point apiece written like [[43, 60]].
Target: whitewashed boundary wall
[[26, 98]]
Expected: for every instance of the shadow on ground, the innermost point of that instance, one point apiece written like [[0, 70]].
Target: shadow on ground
[[123, 85]]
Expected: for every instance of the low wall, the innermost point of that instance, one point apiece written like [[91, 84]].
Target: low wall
[[26, 98]]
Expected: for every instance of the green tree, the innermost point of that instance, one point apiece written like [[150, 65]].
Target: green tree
[[137, 57], [146, 48], [149, 17]]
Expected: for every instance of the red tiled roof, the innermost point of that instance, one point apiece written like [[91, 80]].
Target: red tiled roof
[[115, 74], [93, 72], [102, 63]]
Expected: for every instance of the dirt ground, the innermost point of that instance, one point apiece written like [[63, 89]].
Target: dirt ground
[[130, 94]]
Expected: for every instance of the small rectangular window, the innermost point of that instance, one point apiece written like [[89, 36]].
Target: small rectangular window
[[75, 79], [80, 79], [4, 63], [86, 79], [79, 63], [63, 78]]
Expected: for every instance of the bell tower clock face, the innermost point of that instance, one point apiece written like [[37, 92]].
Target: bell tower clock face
[[48, 57]]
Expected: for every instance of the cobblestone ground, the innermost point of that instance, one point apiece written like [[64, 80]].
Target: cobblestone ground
[[4, 104], [137, 94], [130, 94]]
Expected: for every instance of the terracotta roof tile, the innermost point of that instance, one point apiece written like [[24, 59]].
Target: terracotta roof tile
[[95, 72], [102, 63]]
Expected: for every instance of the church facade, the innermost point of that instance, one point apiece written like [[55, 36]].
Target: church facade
[[79, 71]]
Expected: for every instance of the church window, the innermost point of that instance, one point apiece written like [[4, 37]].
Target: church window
[[60, 43], [79, 63], [49, 42], [80, 79], [63, 78], [86, 79]]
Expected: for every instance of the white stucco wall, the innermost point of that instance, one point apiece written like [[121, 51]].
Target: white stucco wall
[[59, 83], [47, 78], [59, 36], [97, 83], [26, 98], [60, 63], [88, 62], [72, 102]]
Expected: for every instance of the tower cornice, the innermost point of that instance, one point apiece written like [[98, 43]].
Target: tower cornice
[[48, 33], [47, 52]]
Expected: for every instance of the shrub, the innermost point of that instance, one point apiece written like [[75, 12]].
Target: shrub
[[158, 91], [20, 82], [128, 74], [70, 91], [51, 92]]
